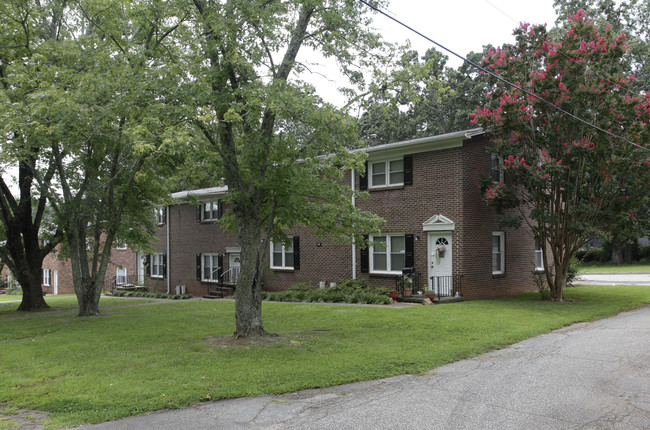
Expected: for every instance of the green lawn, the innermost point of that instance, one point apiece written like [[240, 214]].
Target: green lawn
[[136, 359], [608, 268]]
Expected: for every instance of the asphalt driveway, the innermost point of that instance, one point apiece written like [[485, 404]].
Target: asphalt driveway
[[592, 375]]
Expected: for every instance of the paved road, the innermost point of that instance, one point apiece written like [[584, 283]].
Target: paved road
[[586, 376], [614, 279]]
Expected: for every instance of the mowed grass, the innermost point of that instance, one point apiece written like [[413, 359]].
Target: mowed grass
[[137, 359], [608, 268]]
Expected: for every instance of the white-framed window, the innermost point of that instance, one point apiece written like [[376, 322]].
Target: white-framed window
[[210, 267], [161, 216], [120, 276], [47, 277], [498, 253], [539, 256], [387, 253], [497, 169], [387, 173], [157, 265], [210, 211], [120, 245], [282, 256]]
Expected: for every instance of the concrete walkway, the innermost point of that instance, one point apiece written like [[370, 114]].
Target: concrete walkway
[[613, 279], [586, 376]]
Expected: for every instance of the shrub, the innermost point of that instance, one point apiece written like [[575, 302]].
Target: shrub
[[145, 294], [349, 291], [14, 291]]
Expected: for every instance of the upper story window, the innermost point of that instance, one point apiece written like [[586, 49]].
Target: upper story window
[[161, 216], [498, 175], [209, 211], [387, 173], [498, 253], [387, 253]]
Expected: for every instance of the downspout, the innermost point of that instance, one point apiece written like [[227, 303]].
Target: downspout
[[169, 269], [354, 246]]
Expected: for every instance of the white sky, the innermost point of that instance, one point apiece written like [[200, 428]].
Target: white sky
[[460, 25]]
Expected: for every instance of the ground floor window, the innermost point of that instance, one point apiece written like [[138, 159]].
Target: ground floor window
[[387, 253], [120, 277], [46, 277], [498, 253], [210, 267], [282, 255], [158, 265], [539, 256]]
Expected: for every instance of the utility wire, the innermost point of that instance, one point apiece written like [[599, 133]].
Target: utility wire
[[499, 78]]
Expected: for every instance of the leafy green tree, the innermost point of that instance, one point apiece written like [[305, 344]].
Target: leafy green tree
[[28, 31], [567, 180], [118, 133], [631, 17], [422, 98], [281, 150]]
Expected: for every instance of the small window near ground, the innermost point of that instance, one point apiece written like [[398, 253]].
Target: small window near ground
[[539, 258], [498, 253]]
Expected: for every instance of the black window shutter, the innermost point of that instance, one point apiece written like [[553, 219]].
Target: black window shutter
[[409, 261], [198, 212], [164, 265], [296, 253], [147, 265], [198, 267], [365, 257], [219, 210], [164, 215], [408, 171], [220, 261], [363, 179]]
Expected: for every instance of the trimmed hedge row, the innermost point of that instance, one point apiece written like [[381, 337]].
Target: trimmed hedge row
[[349, 291], [122, 293]]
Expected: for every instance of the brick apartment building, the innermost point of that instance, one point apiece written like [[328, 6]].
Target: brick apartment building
[[57, 273], [436, 225]]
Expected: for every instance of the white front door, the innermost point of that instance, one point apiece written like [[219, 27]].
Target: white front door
[[440, 262]]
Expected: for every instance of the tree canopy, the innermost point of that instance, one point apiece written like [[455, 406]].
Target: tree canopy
[[568, 179]]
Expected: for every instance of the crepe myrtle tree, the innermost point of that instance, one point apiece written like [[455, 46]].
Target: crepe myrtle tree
[[566, 179]]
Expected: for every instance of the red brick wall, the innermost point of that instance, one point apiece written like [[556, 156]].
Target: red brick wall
[[187, 239], [119, 258]]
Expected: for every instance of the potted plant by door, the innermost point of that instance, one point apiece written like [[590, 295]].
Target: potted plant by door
[[406, 284], [429, 294]]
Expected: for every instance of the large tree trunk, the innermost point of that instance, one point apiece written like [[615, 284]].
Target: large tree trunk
[[88, 297], [30, 281], [248, 303]]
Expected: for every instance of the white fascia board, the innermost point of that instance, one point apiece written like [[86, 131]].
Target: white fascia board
[[201, 194], [422, 144]]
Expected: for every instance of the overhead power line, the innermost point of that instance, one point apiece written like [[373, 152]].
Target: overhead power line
[[499, 78]]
